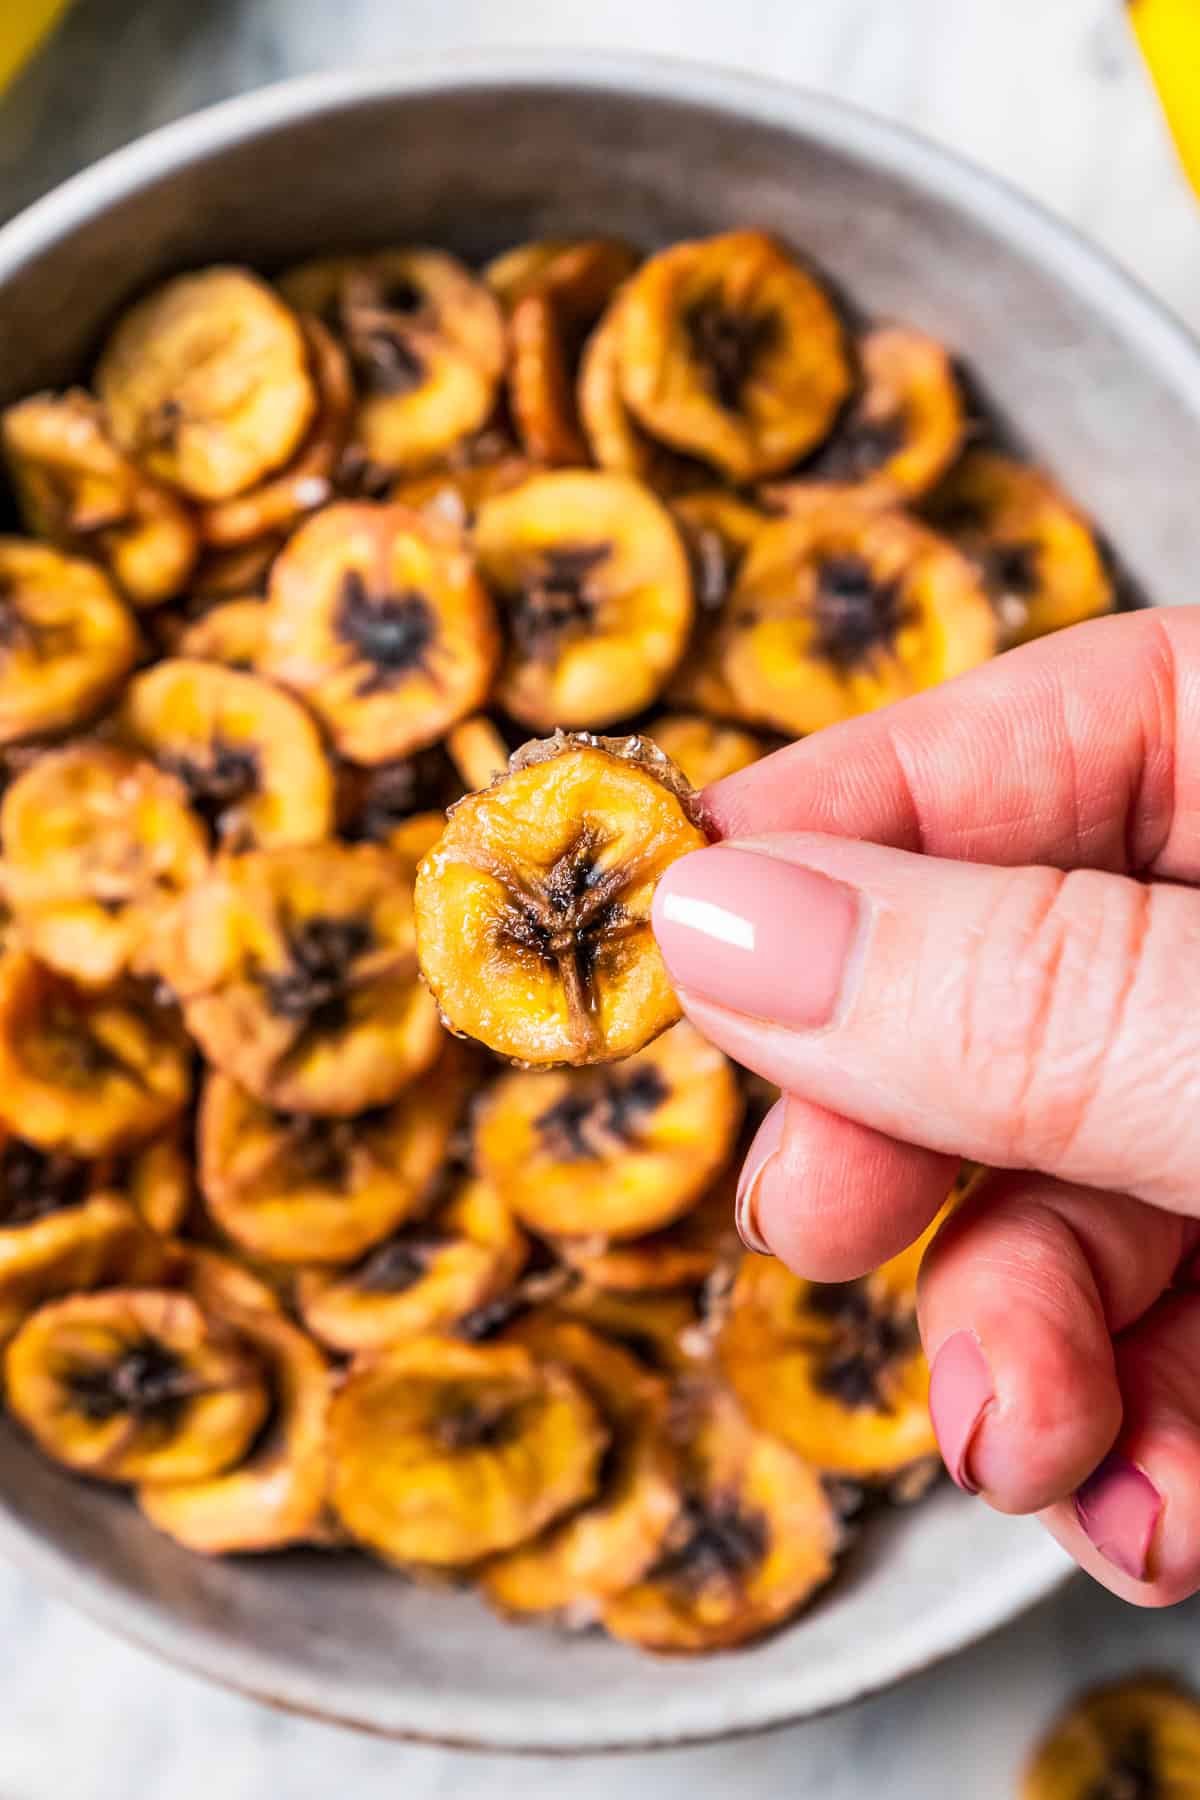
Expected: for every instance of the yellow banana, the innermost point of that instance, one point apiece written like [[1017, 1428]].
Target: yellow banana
[[1168, 32]]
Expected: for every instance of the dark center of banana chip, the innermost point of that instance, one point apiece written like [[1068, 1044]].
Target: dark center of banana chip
[[226, 776], [319, 1149], [147, 1382], [1012, 569], [398, 1264], [394, 633], [35, 1183], [1132, 1774], [558, 600], [74, 1054], [866, 1341], [470, 1422], [586, 1126], [16, 632], [728, 343], [855, 613], [160, 428], [720, 1543], [862, 447], [715, 562], [314, 988]]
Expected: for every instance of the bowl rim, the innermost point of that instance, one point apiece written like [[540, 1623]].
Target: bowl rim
[[1161, 338]]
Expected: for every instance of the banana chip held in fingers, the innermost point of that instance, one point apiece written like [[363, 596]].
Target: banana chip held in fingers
[[533, 908]]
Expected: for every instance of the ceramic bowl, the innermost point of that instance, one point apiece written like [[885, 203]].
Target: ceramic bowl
[[477, 153]]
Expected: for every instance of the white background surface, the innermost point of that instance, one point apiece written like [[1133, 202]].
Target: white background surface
[[1046, 92]]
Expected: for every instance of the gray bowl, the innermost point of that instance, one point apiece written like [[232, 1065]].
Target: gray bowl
[[477, 153]]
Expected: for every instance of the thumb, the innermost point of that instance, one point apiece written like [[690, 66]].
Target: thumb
[[1021, 1017]]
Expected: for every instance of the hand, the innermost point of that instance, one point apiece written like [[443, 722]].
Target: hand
[[959, 928]]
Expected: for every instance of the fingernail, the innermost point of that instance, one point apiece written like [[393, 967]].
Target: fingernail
[[767, 1140], [1119, 1508], [758, 935], [960, 1392]]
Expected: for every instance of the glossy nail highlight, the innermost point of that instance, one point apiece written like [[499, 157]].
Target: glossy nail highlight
[[762, 1151], [755, 934], [960, 1392], [1119, 1508]]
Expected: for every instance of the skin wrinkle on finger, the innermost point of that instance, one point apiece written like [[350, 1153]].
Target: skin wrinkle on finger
[[951, 771]]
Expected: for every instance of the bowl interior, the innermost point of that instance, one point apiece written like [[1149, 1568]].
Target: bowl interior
[[1094, 381]]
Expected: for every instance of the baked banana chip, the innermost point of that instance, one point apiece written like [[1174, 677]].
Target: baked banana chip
[[206, 383], [756, 1540], [297, 974], [594, 584], [82, 1070], [550, 314], [425, 1278], [67, 640], [613, 1152], [249, 757], [1036, 553], [134, 1385], [378, 619], [276, 1494], [617, 1535], [77, 491], [904, 429], [681, 1255], [704, 750], [426, 340], [306, 482], [533, 909], [835, 1370], [1138, 1738], [300, 1188], [97, 844], [734, 353], [444, 1452], [614, 436], [839, 611]]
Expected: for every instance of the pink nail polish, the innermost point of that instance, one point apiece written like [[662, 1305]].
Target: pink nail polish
[[1119, 1508], [960, 1392], [761, 936], [767, 1140]]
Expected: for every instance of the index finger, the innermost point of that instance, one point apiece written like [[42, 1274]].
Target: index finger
[[1078, 751]]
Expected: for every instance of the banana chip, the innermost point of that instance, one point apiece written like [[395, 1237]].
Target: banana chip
[[233, 634], [444, 1453], [533, 909], [681, 1255], [67, 640], [702, 749], [1138, 1738]]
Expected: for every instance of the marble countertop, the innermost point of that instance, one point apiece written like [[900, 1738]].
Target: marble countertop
[[1046, 92]]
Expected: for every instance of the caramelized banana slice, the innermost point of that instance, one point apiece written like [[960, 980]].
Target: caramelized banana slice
[[837, 1370], [425, 1278], [551, 313], [613, 1152], [134, 1385], [297, 973], [96, 844], [1037, 555], [233, 634], [276, 1496], [249, 757], [533, 910], [902, 432], [378, 618], [841, 611], [703, 750], [67, 640], [719, 530], [732, 352], [614, 436], [1138, 1739], [307, 482], [64, 1227], [757, 1539], [77, 491], [683, 1254], [296, 1188], [206, 383], [85, 1071], [616, 1536], [426, 340], [444, 1452], [597, 595]]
